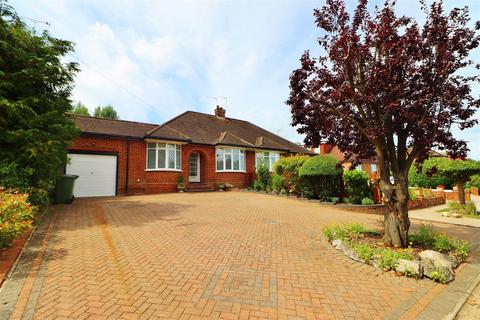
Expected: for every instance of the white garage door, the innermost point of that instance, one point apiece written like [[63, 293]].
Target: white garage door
[[97, 174]]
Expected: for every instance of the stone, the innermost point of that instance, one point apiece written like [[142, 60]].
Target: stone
[[339, 245], [411, 268], [436, 266], [354, 256], [456, 215], [454, 260]]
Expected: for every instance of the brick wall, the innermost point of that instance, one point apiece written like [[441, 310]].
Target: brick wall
[[141, 181]]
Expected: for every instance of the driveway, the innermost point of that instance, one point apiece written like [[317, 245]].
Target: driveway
[[230, 255]]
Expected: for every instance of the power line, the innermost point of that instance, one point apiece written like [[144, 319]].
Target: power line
[[115, 83]]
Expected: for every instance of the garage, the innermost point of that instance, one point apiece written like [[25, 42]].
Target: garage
[[97, 174]]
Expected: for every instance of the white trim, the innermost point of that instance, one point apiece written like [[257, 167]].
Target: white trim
[[230, 171], [197, 176], [166, 157], [242, 154]]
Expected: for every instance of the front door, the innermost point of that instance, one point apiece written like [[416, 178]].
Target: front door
[[194, 168]]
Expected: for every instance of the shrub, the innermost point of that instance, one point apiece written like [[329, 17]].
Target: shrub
[[429, 238], [278, 182], [423, 180], [16, 216], [367, 201], [411, 194], [356, 185], [468, 209], [322, 174], [473, 182], [263, 179], [288, 167]]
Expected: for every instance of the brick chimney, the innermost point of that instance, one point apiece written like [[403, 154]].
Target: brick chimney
[[325, 148], [220, 112]]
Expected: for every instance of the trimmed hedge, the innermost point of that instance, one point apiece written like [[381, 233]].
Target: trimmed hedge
[[356, 186], [322, 176], [288, 167]]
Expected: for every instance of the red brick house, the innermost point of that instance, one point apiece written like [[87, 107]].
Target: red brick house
[[115, 157]]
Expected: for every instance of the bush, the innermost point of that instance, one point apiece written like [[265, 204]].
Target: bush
[[278, 182], [474, 181], [323, 175], [423, 180], [468, 209], [16, 216], [288, 167], [263, 179], [428, 238], [367, 202], [356, 185]]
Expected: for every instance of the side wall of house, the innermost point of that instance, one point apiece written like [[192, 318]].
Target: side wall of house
[[141, 181]]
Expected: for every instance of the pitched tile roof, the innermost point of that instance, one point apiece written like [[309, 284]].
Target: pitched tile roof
[[194, 127]]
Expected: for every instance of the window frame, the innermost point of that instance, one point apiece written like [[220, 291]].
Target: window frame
[[242, 154], [169, 146], [270, 152]]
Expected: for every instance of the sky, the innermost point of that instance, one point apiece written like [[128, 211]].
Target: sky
[[153, 60]]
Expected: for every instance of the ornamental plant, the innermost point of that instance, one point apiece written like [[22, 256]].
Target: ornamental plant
[[16, 216], [389, 87], [356, 185], [323, 175], [288, 167], [458, 171]]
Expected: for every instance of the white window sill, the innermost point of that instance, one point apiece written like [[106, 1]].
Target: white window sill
[[230, 171], [153, 170]]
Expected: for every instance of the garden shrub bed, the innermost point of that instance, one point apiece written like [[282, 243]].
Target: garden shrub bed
[[430, 254]]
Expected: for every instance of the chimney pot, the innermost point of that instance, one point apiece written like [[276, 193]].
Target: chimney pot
[[220, 112]]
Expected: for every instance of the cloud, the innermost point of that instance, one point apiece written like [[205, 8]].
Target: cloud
[[153, 60]]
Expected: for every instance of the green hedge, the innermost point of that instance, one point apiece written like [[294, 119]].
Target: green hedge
[[356, 186], [322, 176]]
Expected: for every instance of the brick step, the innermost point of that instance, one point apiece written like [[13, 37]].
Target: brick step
[[199, 187]]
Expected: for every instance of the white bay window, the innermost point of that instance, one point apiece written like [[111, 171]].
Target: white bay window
[[163, 156], [230, 159], [267, 158]]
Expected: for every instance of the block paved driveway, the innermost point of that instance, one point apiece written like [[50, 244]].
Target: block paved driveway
[[231, 255]]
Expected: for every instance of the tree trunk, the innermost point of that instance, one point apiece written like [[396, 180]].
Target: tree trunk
[[461, 192], [396, 221]]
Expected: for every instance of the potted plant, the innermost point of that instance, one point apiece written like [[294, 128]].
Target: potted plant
[[228, 186], [221, 186], [180, 183], [440, 187]]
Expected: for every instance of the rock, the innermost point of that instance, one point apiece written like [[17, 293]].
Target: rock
[[454, 260], [339, 245], [446, 214], [456, 215], [436, 266], [354, 256], [410, 268]]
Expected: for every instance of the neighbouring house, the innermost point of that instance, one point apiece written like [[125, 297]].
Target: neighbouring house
[[114, 157], [370, 166]]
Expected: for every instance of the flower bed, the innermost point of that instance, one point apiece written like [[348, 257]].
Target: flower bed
[[430, 254]]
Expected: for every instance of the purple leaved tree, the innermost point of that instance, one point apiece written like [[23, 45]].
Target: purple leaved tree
[[388, 87]]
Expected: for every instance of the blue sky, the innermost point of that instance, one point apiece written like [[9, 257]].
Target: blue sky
[[155, 59]]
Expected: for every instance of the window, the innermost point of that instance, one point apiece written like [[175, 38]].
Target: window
[[373, 167], [230, 159], [163, 156], [359, 167], [268, 158]]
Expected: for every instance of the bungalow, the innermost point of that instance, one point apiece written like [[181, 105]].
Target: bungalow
[[113, 157]]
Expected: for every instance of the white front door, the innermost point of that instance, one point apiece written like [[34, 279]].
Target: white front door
[[194, 168]]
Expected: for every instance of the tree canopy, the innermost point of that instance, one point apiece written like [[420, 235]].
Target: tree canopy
[[35, 88], [390, 88], [458, 171], [107, 111], [80, 108]]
